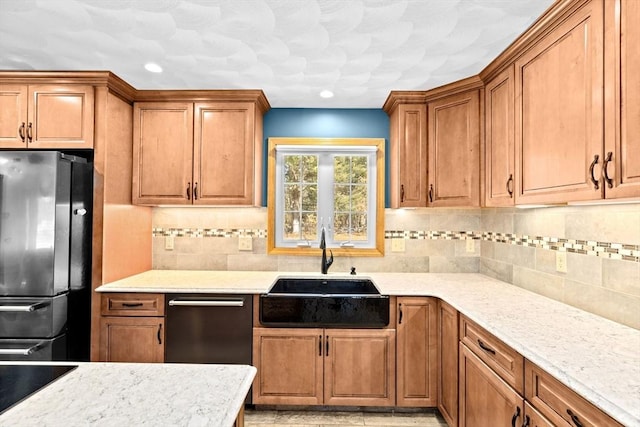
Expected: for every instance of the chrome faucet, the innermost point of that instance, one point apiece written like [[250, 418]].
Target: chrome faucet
[[326, 263]]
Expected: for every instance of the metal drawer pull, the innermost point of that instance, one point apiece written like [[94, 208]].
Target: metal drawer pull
[[486, 348], [22, 308], [20, 351], [527, 420], [509, 183], [21, 132], [574, 418], [132, 304], [206, 303]]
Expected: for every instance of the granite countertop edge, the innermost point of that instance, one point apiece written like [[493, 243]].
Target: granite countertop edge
[[578, 348]]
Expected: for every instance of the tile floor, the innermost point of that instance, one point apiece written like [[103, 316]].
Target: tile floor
[[288, 418]]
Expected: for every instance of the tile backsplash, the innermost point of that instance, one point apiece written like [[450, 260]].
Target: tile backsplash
[[518, 246]]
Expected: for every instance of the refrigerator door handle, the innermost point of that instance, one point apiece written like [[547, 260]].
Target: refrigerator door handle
[[20, 351], [24, 308]]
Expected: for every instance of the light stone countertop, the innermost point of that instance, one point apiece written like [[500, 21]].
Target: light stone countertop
[[136, 394], [597, 358]]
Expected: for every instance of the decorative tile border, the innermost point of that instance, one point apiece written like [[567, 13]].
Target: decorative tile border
[[618, 251]]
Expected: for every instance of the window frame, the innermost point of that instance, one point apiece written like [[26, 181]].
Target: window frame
[[323, 143]]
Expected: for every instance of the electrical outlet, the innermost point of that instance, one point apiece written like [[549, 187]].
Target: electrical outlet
[[245, 243], [561, 262], [168, 243], [397, 245], [471, 245]]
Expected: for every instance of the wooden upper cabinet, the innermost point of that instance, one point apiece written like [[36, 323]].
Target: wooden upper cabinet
[[224, 153], [202, 153], [163, 153], [559, 111], [454, 150], [499, 140], [408, 156], [46, 116], [622, 86]]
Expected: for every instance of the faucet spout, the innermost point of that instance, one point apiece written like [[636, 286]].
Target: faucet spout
[[326, 263]]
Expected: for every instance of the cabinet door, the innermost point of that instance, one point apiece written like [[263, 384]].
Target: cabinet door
[[448, 362], [533, 418], [132, 339], [499, 140], [162, 153], [60, 116], [290, 366], [360, 367], [559, 113], [454, 150], [408, 157], [622, 136], [417, 355], [224, 153], [485, 400], [13, 116]]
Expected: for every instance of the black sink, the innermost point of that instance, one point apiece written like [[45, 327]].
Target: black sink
[[324, 302], [322, 286]]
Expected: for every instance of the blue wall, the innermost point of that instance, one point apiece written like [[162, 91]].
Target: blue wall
[[326, 123]]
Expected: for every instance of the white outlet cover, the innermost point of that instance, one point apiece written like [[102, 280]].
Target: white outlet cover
[[245, 243], [397, 245]]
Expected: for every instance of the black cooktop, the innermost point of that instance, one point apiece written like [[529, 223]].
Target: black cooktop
[[19, 381]]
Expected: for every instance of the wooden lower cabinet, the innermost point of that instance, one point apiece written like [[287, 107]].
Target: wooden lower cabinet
[[132, 339], [448, 363], [533, 418], [348, 367], [132, 327], [417, 353], [485, 399]]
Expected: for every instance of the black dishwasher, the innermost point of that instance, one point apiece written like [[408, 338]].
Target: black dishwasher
[[209, 328]]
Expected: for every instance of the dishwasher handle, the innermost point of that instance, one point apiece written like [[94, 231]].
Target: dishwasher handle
[[206, 302]]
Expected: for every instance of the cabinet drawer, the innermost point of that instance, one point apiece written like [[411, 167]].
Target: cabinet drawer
[[132, 305], [505, 361], [560, 404]]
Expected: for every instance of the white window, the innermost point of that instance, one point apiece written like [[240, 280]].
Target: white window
[[330, 186]]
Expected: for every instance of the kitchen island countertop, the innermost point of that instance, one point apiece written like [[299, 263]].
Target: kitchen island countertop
[[597, 358], [128, 394]]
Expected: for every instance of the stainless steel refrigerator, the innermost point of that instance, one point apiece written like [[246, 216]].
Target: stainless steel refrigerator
[[45, 255]]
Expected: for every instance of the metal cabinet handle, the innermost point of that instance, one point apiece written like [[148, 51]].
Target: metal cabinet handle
[[206, 303], [132, 304], [401, 193], [327, 346], [30, 132], [21, 132], [160, 333], [510, 185], [195, 191], [26, 308], [515, 417], [188, 191], [574, 418], [20, 351], [527, 420], [486, 347], [400, 316], [605, 169], [431, 193], [596, 183], [319, 345]]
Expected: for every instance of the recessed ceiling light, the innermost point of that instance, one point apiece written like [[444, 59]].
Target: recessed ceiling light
[[326, 94], [154, 68]]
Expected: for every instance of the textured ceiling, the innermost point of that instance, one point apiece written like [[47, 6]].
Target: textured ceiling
[[291, 49]]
